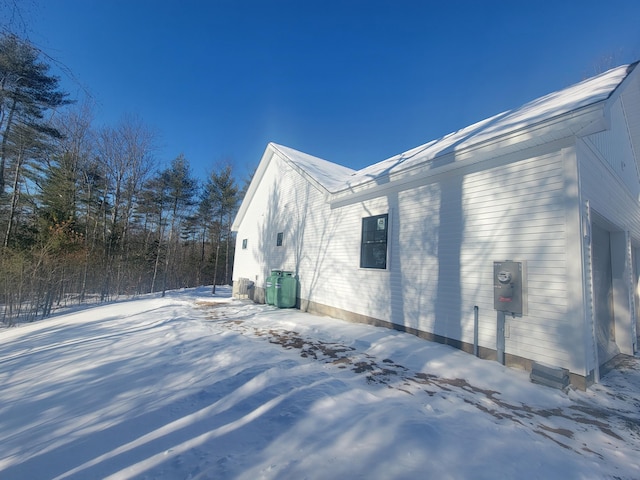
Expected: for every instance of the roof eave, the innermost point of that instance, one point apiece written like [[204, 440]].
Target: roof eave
[[585, 120]]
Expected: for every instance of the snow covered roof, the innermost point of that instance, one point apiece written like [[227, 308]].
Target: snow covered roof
[[336, 178], [329, 175], [578, 109], [573, 98]]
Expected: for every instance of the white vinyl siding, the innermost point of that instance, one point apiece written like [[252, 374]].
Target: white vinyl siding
[[276, 208], [443, 239], [613, 199], [437, 275], [611, 192], [517, 212], [331, 262]]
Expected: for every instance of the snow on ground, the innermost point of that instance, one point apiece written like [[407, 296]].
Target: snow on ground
[[193, 386]]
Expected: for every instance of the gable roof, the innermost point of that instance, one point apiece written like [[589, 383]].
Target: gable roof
[[328, 175], [578, 109], [324, 175]]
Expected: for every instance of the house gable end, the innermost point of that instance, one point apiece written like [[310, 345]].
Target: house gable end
[[631, 106], [321, 174], [618, 146], [253, 186]]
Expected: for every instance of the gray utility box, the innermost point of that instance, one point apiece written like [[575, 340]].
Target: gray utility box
[[509, 293]]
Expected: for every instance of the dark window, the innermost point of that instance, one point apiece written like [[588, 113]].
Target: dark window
[[279, 239], [244, 243], [373, 251]]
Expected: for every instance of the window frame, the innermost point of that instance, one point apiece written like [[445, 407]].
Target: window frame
[[368, 241], [279, 239]]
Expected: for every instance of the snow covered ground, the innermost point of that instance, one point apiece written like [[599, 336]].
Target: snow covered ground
[[193, 386]]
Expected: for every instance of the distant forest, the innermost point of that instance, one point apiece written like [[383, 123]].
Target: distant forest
[[85, 214]]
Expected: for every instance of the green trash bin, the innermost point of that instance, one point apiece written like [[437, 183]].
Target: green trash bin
[[270, 291], [286, 290]]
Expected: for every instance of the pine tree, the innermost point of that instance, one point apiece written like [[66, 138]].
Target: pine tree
[[27, 92], [180, 190], [222, 191]]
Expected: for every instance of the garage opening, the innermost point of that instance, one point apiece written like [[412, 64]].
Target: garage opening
[[603, 294]]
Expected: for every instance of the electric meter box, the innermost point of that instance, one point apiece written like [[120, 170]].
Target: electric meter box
[[509, 293]]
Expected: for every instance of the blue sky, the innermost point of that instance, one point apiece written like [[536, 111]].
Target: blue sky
[[350, 81]]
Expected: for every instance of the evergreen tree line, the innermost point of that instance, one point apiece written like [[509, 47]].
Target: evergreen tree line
[[85, 215]]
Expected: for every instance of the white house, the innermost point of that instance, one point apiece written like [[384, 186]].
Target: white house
[[417, 242]]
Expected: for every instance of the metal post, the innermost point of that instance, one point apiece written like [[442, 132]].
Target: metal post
[[475, 330], [500, 338]]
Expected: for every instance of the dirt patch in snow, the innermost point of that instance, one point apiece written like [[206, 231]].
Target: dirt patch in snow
[[576, 420]]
